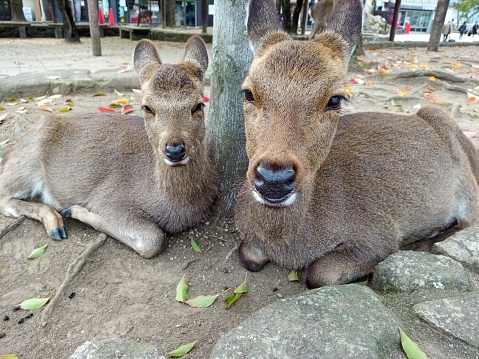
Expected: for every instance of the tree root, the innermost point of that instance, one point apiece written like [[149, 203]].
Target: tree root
[[72, 271], [187, 264], [436, 74], [230, 253], [450, 87], [10, 227]]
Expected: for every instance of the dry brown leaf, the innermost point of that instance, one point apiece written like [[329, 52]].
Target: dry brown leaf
[[470, 134], [45, 108]]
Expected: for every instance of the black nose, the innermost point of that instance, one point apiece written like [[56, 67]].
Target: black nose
[[274, 184], [175, 153]]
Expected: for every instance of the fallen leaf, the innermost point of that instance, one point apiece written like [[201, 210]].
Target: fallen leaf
[[432, 78], [411, 348], [53, 77], [352, 81], [55, 97], [182, 350], [3, 117], [34, 303], [2, 108], [37, 252], [136, 91], [403, 93], [206, 99], [12, 102], [195, 246], [115, 105], [426, 91], [432, 97], [125, 70], [243, 287], [122, 100], [417, 107], [469, 134], [22, 112], [44, 101], [39, 98], [202, 301], [182, 291], [99, 94], [9, 356], [104, 109], [471, 99], [45, 108], [293, 276], [229, 300], [411, 66], [118, 93], [126, 110], [22, 100], [65, 109]]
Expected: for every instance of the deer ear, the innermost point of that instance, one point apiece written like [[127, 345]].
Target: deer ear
[[196, 52], [145, 59], [346, 21], [263, 24]]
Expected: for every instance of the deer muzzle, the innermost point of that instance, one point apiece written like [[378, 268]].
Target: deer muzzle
[[275, 186]]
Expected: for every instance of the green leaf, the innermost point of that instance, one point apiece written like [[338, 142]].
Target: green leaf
[[411, 348], [243, 287], [202, 301], [195, 246], [65, 109], [229, 300], [9, 356], [182, 350], [34, 303], [37, 252], [99, 94], [293, 276], [115, 105], [182, 291]]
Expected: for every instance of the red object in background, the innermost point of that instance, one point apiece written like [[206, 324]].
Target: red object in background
[[111, 19], [100, 17], [407, 29]]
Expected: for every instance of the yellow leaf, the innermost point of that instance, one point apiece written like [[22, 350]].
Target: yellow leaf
[[122, 100], [457, 64], [412, 66], [432, 78], [403, 93]]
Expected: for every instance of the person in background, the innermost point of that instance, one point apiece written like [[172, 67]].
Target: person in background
[[453, 25], [462, 29], [446, 30], [474, 29]]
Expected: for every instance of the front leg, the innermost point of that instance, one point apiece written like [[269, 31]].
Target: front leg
[[135, 230], [252, 256]]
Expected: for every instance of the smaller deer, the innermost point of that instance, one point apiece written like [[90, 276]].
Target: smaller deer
[[143, 15], [132, 178], [337, 194], [321, 13]]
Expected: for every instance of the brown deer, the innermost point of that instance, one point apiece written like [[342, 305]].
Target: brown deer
[[132, 178], [321, 13], [337, 194], [143, 15]]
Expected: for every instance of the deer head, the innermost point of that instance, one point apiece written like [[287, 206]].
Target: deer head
[[288, 134]]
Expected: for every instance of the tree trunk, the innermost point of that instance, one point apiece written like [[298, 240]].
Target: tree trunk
[[70, 31], [226, 136], [17, 11], [397, 6], [170, 13], [296, 12], [286, 15], [438, 23], [204, 16], [94, 27]]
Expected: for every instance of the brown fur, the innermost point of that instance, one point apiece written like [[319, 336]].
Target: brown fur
[[321, 13], [142, 15], [365, 184], [110, 172]]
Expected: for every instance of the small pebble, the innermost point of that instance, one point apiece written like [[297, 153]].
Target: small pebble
[[275, 289], [226, 288], [2, 335], [21, 320], [72, 294], [225, 270], [5, 318], [16, 308], [279, 295], [29, 316]]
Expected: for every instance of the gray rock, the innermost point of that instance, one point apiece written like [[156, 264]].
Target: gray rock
[[117, 348], [347, 321], [406, 271], [462, 246], [455, 316]]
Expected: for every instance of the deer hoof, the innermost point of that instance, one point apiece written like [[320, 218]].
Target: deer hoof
[[58, 233]]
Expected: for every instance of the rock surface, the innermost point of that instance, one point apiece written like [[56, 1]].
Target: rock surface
[[117, 348]]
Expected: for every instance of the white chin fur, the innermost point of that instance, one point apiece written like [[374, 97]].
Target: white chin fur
[[184, 161], [288, 202]]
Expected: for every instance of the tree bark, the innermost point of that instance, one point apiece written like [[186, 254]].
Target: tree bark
[[226, 136], [170, 13], [94, 27], [438, 23], [296, 12], [204, 16], [70, 31], [16, 6], [397, 6], [286, 15]]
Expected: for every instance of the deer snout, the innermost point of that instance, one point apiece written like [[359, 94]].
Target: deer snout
[[175, 153], [274, 185]]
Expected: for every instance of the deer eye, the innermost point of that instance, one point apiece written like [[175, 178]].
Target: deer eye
[[334, 103], [248, 96], [146, 109], [198, 107]]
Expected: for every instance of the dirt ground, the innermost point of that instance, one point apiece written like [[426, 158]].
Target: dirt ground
[[120, 294]]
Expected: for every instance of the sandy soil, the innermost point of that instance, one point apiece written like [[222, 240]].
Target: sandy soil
[[120, 294]]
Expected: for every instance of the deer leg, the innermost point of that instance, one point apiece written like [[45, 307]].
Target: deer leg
[[252, 257], [342, 265], [51, 219], [133, 229]]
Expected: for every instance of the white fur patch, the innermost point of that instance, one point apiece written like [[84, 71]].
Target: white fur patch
[[288, 202], [184, 161]]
